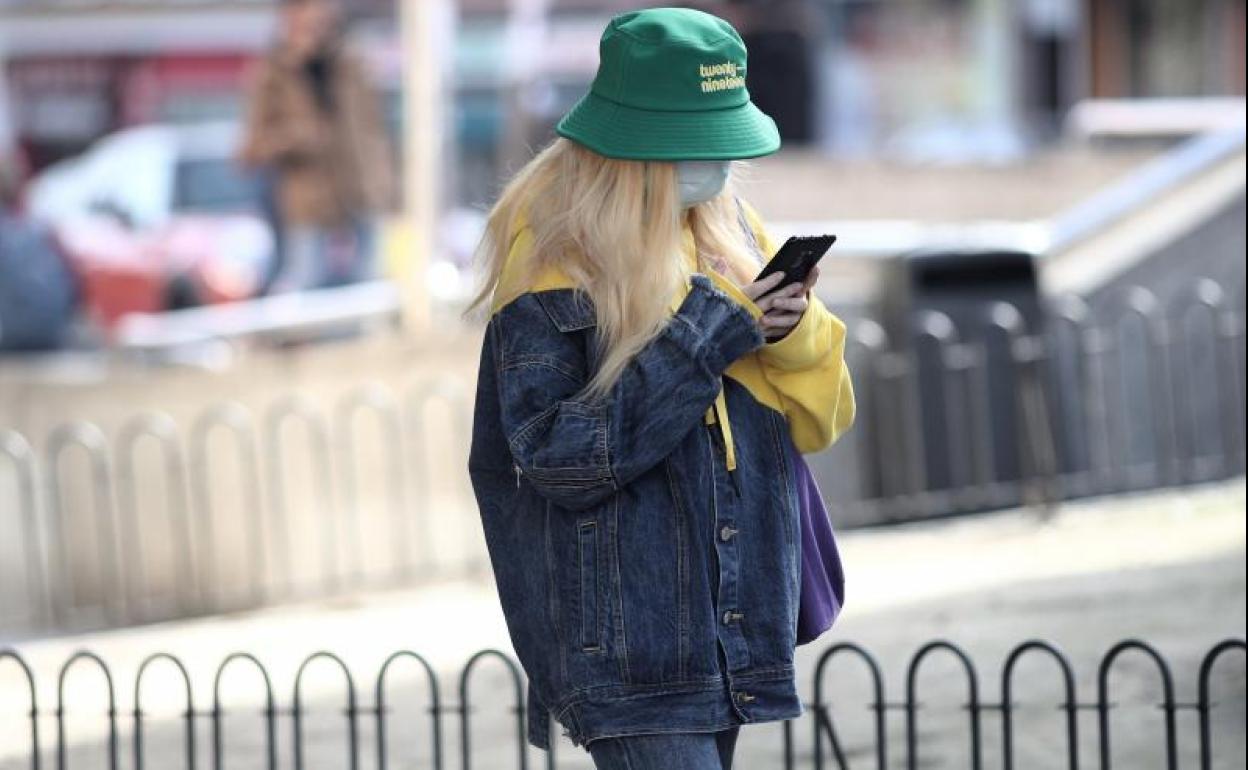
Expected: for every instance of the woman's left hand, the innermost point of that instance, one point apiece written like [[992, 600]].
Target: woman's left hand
[[784, 307]]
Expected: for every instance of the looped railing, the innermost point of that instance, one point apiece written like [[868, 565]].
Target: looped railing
[[824, 719]]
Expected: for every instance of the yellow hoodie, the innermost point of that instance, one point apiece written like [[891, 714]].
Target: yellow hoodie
[[804, 376]]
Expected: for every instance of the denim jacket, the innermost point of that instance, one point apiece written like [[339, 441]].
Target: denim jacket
[[646, 547]]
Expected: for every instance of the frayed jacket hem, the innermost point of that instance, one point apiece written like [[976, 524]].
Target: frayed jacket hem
[[697, 707]]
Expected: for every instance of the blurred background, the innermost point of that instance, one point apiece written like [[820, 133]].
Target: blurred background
[[235, 387]]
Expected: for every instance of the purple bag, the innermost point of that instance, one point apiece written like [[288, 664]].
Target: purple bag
[[823, 578]]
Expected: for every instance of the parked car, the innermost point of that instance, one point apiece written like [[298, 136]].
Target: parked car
[[155, 218]]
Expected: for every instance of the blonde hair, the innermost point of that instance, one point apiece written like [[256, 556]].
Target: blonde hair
[[614, 228]]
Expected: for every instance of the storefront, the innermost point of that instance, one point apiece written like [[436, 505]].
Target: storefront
[[1159, 48], [76, 73], [69, 101]]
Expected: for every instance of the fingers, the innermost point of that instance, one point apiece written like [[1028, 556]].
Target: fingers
[[796, 303], [779, 320], [765, 303], [784, 311], [789, 298], [779, 297], [759, 288], [782, 307], [811, 277]]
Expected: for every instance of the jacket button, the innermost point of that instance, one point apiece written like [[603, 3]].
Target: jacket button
[[726, 532], [730, 616], [744, 697]]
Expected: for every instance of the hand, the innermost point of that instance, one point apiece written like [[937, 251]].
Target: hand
[[784, 307]]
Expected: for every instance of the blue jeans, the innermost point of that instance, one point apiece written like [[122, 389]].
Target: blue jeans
[[317, 258], [687, 751]]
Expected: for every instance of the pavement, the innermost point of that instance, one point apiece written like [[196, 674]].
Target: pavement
[[1166, 567], [802, 184]]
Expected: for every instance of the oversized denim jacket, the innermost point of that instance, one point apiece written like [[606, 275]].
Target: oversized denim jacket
[[646, 547]]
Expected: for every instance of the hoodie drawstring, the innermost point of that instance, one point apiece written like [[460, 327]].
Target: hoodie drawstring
[[718, 413]]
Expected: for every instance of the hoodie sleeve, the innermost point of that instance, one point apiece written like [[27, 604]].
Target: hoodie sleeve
[[807, 367]]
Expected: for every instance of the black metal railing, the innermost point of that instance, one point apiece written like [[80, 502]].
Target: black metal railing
[[1131, 395], [255, 506], [827, 748]]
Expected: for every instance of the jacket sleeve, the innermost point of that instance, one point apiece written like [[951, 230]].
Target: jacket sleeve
[[576, 452], [807, 368]]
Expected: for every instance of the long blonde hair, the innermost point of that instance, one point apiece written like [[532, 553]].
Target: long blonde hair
[[614, 228]]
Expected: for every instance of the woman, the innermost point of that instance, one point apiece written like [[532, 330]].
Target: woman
[[314, 125], [639, 506]]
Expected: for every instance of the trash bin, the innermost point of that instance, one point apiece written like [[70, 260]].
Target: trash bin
[[969, 424]]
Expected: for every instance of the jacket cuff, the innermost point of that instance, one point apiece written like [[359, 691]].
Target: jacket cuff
[[734, 292], [539, 721], [715, 280], [808, 342], [726, 329]]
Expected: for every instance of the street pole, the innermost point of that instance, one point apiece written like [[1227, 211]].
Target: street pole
[[422, 140]]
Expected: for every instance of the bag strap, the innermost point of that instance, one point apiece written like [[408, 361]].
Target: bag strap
[[755, 248]]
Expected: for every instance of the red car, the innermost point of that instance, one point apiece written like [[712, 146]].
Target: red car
[[157, 218]]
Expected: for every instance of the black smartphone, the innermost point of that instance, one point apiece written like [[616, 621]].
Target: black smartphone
[[796, 257]]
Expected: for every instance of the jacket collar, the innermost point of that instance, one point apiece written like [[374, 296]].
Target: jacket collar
[[578, 315]]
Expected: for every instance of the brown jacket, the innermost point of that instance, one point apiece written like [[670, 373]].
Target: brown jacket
[[330, 166]]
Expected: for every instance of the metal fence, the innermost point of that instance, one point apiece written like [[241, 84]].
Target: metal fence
[[249, 507], [1130, 395], [245, 509], [823, 722]]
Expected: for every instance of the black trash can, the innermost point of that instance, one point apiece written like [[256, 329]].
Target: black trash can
[[974, 417]]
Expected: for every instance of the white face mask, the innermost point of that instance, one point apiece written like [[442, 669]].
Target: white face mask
[[700, 180]]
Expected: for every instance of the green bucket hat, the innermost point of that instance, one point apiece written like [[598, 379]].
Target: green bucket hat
[[670, 86]]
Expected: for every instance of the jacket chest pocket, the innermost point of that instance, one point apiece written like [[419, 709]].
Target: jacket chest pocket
[[588, 552]]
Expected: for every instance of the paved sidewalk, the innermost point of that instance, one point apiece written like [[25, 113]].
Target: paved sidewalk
[[1165, 567]]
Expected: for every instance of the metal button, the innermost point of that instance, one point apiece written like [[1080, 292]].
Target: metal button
[[726, 532], [744, 697], [730, 616]]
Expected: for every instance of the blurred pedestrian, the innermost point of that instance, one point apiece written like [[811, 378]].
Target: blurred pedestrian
[[38, 293], [314, 127], [641, 403], [266, 191]]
